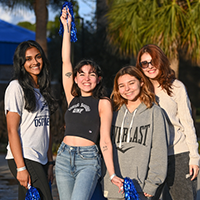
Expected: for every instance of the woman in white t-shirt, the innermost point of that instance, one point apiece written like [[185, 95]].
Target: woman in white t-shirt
[[28, 103]]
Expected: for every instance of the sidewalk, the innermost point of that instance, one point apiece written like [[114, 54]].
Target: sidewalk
[[8, 184]]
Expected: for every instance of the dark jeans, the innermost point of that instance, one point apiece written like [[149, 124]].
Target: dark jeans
[[38, 173], [178, 182]]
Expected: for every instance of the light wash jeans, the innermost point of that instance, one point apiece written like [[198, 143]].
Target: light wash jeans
[[77, 171]]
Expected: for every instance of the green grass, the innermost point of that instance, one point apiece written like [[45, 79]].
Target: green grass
[[199, 146], [198, 119], [55, 148]]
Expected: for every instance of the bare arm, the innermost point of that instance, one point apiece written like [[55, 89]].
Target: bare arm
[[66, 52], [105, 111], [13, 120]]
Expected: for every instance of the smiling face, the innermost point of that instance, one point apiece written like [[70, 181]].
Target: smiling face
[[34, 62], [129, 87], [151, 71], [86, 80]]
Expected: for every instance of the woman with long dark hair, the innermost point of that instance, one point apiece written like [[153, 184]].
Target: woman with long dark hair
[[88, 122], [28, 104]]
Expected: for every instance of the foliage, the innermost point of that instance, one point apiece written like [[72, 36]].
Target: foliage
[[192, 32], [173, 25], [17, 3], [199, 146], [27, 25]]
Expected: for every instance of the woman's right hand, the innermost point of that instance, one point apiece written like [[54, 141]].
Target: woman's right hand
[[66, 17], [118, 182], [24, 178]]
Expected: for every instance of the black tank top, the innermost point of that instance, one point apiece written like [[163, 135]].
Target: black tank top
[[82, 118]]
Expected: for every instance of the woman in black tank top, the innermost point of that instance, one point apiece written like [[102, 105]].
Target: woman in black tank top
[[88, 123]]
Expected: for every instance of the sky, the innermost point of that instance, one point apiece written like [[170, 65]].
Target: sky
[[26, 15]]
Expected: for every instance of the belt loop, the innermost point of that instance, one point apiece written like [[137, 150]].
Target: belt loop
[[97, 149], [63, 146], [78, 150]]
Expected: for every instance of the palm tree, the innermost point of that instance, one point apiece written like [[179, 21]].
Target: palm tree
[[41, 13], [134, 23], [192, 32]]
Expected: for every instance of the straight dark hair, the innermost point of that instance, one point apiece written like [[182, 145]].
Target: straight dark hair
[[26, 80]]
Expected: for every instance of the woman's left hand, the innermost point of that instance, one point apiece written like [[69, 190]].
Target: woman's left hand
[[50, 173], [194, 170], [147, 195]]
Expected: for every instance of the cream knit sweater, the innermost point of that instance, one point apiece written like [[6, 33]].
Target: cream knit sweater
[[182, 132]]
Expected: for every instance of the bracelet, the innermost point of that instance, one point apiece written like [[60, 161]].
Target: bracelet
[[21, 169], [112, 176], [51, 163]]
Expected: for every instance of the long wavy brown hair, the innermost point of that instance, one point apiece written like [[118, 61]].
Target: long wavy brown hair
[[166, 75], [146, 94]]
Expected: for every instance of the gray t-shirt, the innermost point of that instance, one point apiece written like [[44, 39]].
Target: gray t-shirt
[[34, 126]]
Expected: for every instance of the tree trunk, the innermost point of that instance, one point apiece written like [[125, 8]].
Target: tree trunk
[[175, 65], [41, 23]]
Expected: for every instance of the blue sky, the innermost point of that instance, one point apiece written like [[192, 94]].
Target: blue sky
[[25, 15]]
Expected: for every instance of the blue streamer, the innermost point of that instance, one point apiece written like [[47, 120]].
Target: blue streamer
[[32, 194], [129, 190], [73, 26]]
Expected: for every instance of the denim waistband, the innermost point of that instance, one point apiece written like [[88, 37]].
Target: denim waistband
[[79, 148]]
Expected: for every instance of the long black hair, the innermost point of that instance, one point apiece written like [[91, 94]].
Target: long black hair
[[26, 80], [100, 90]]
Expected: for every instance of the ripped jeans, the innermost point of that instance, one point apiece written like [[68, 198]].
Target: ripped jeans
[[77, 171]]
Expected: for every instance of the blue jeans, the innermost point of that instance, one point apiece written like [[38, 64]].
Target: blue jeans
[[77, 171]]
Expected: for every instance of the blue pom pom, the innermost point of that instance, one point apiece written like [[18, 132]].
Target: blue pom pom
[[73, 26], [129, 190], [32, 194]]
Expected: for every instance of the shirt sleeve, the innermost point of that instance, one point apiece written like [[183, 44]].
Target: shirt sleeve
[[185, 117], [14, 98], [158, 159]]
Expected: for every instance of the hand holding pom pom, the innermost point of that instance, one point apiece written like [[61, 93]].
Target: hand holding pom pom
[[68, 14], [129, 190]]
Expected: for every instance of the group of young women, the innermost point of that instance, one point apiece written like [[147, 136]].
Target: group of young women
[[145, 132]]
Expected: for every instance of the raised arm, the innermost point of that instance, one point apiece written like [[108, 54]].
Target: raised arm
[[105, 111], [67, 70]]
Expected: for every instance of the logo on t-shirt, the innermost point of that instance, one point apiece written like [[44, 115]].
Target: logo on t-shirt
[[137, 135], [42, 118], [79, 108]]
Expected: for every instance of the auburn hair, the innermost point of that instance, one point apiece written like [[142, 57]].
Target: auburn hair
[[166, 75]]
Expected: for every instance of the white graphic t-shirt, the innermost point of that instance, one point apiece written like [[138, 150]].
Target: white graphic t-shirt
[[34, 126]]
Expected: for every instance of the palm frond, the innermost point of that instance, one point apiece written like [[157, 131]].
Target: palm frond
[[191, 34], [123, 22]]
